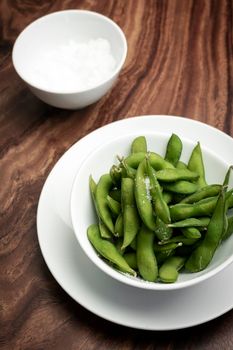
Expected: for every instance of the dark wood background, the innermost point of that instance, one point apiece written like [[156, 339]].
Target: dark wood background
[[180, 63]]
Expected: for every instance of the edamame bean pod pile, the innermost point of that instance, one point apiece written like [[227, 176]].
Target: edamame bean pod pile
[[157, 215]]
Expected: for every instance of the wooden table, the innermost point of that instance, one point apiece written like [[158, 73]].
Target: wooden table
[[179, 63]]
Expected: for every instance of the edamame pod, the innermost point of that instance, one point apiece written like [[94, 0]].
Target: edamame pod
[[127, 171], [196, 164], [103, 187], [142, 196], [229, 230], [201, 256], [139, 144], [118, 244], [191, 232], [172, 175], [133, 244], [182, 211], [115, 173], [180, 239], [131, 221], [131, 259], [108, 250], [167, 196], [114, 206], [118, 229], [181, 187], [181, 165], [146, 260], [162, 231], [201, 222], [155, 159], [104, 231], [162, 252], [115, 193], [174, 149], [202, 193], [204, 207], [225, 185], [160, 206], [229, 197], [168, 272]]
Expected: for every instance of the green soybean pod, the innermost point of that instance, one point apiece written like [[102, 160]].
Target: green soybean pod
[[167, 196], [115, 173], [229, 230], [115, 193], [202, 193], [204, 207], [155, 159], [163, 247], [118, 245], [182, 211], [229, 196], [108, 250], [133, 244], [102, 189], [196, 164], [174, 149], [172, 175], [92, 186], [180, 239], [191, 222], [160, 206], [191, 232], [114, 206], [181, 187], [131, 259], [139, 144], [118, 228], [225, 185], [104, 231], [127, 171], [131, 221], [142, 196], [181, 165], [162, 252], [168, 272], [162, 231], [203, 254], [146, 260]]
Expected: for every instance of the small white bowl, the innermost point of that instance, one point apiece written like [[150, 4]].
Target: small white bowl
[[83, 213], [59, 28]]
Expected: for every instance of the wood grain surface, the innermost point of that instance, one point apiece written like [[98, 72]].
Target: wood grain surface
[[180, 62]]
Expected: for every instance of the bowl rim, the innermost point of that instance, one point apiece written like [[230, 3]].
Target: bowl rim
[[116, 274], [61, 13]]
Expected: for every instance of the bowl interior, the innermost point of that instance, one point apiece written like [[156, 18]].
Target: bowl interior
[[56, 29], [99, 162]]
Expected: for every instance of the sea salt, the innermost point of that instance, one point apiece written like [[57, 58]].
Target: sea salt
[[73, 66], [147, 183]]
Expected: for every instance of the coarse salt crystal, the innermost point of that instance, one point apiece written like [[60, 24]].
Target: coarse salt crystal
[[73, 66], [147, 183]]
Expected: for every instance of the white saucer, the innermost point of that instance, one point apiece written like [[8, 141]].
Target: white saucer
[[93, 289]]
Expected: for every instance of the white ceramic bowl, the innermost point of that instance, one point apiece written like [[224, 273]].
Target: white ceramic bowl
[[59, 28], [83, 214]]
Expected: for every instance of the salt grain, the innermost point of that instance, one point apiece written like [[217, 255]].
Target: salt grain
[[74, 66], [147, 183]]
